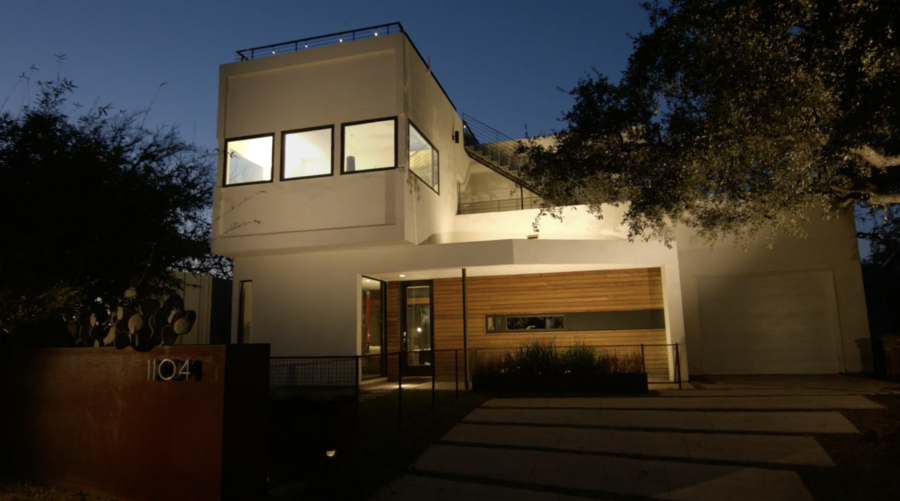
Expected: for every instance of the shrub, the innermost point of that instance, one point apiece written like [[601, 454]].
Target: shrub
[[579, 359], [537, 357]]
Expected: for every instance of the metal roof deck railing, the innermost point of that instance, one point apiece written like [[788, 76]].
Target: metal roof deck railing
[[333, 39], [319, 41]]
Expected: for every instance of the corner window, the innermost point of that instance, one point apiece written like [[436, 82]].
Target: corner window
[[248, 160], [307, 153], [423, 158], [369, 146]]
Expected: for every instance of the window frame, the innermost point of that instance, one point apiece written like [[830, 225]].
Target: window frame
[[284, 150], [225, 172], [434, 148], [361, 122], [501, 319]]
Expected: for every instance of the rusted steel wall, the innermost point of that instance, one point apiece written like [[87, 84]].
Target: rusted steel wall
[[98, 420]]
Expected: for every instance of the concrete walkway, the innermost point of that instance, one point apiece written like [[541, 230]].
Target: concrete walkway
[[763, 422], [717, 447], [699, 403], [737, 440]]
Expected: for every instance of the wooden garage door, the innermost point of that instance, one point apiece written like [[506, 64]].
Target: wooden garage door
[[771, 324]]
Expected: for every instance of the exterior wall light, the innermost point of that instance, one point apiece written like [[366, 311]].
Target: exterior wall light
[[330, 453]]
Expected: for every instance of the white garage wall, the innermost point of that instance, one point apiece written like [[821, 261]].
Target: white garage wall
[[830, 247], [782, 323]]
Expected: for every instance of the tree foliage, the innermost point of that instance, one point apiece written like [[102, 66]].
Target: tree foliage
[[737, 115], [94, 202]]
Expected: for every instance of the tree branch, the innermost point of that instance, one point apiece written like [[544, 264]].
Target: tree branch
[[876, 159]]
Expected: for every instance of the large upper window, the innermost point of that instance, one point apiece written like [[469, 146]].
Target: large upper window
[[369, 145], [307, 153], [248, 160], [423, 158]]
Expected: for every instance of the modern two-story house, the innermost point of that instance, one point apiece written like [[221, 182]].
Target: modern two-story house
[[352, 195]]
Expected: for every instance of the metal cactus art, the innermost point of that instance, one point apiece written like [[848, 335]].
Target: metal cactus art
[[139, 323]]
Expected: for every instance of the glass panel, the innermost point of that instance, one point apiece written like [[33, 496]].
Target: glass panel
[[423, 158], [248, 160], [535, 323], [307, 154], [370, 146], [418, 318], [245, 327], [370, 329]]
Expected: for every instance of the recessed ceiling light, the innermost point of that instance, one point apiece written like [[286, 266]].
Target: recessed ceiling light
[[401, 276]]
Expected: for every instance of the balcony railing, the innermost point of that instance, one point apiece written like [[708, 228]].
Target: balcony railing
[[499, 205], [319, 41]]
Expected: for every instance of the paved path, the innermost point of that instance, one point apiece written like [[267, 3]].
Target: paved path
[[701, 403], [765, 422], [634, 477], [733, 441], [717, 447]]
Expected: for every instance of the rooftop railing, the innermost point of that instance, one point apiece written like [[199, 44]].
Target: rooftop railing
[[334, 39], [319, 41]]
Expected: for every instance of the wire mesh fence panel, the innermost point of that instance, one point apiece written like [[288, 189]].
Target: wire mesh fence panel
[[660, 363], [314, 376]]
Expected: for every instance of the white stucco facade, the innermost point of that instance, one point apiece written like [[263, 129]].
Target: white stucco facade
[[306, 243]]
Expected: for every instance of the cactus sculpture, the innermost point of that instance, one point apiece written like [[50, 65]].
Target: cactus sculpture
[[139, 323]]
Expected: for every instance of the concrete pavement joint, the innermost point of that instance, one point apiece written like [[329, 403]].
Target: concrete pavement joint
[[651, 429], [588, 494], [671, 459]]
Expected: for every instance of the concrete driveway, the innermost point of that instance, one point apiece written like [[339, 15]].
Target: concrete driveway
[[733, 438]]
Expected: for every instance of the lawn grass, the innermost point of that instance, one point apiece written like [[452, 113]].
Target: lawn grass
[[867, 465]]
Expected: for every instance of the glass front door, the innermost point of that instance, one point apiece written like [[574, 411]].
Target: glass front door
[[417, 335]]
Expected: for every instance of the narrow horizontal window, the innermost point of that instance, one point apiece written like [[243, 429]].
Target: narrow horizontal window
[[248, 160], [423, 159], [370, 146], [577, 321], [307, 153], [540, 323]]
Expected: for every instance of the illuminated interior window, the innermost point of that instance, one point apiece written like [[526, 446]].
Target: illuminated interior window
[[307, 153], [370, 146], [423, 158], [248, 160]]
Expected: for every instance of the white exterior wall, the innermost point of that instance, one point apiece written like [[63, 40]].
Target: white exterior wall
[[831, 246], [308, 303], [326, 86], [316, 237]]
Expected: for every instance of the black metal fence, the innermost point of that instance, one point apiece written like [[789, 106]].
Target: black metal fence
[[368, 375]]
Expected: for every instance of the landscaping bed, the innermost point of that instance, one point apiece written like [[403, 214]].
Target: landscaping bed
[[542, 366]]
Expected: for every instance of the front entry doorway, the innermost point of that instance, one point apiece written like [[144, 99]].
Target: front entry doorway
[[416, 328]]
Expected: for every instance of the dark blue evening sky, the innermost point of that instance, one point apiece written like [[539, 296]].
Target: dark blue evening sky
[[500, 61]]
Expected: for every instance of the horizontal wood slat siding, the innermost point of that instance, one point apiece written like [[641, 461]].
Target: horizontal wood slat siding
[[607, 290]]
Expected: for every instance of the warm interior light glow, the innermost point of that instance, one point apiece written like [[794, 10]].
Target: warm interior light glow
[[330, 453], [401, 276], [371, 145], [250, 160], [307, 154]]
